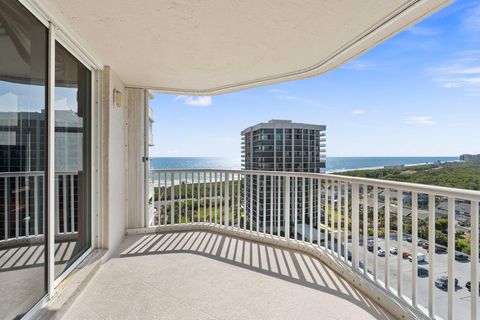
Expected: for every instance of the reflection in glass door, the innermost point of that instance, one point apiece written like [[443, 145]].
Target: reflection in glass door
[[72, 159], [23, 60]]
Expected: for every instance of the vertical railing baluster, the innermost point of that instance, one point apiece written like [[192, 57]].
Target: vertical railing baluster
[[216, 201], [279, 198], [332, 217], [295, 209], [165, 201], [17, 208], [451, 258], [64, 192], [233, 200], [346, 223], [271, 205], [355, 225], [257, 206], [474, 243], [227, 199], [180, 199], [27, 207], [319, 211], [365, 229], [35, 205], [210, 196], [431, 256], [310, 208], [72, 203], [204, 196], [375, 233], [325, 214], [239, 183], [5, 206], [339, 219], [220, 212], [199, 194], [264, 204], [386, 193], [414, 247], [186, 196], [303, 209], [245, 202], [172, 200], [399, 243], [192, 198], [286, 205], [251, 204]]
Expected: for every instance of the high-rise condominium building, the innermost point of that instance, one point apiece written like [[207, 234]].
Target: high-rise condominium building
[[280, 145]]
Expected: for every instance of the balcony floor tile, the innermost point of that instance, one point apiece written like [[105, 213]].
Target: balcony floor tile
[[204, 275]]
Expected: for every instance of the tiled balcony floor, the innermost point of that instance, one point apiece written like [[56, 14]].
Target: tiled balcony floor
[[203, 275]]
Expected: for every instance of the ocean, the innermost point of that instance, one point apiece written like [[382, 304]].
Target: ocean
[[334, 164]]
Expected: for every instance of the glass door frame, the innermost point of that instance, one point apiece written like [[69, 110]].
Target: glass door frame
[[58, 33]]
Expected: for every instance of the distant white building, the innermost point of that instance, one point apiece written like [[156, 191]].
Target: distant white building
[[470, 157]]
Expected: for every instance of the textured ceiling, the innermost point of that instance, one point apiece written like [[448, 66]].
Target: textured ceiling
[[208, 47]]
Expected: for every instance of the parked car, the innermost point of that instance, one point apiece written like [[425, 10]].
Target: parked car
[[405, 255], [420, 257], [461, 257], [422, 272], [370, 247], [440, 249], [468, 285], [420, 242], [408, 238], [425, 245], [381, 253], [442, 282], [394, 250]]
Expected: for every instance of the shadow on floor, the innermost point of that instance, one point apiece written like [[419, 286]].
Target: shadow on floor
[[288, 265]]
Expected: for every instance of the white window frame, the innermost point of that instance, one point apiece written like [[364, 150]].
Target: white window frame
[[57, 32]]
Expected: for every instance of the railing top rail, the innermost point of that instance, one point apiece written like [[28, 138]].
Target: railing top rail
[[13, 174], [403, 186]]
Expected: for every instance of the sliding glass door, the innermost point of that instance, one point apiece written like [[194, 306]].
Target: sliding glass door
[[72, 159], [23, 79], [24, 181]]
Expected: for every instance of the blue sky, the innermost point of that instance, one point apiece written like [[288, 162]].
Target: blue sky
[[417, 94]]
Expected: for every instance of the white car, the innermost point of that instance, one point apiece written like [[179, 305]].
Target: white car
[[394, 250], [381, 253]]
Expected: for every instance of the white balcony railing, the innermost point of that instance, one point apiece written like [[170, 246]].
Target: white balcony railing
[[22, 205], [347, 218]]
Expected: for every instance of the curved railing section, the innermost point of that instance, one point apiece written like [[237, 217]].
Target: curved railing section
[[375, 228]]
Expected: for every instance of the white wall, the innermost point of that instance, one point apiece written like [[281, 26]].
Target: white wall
[[114, 163]]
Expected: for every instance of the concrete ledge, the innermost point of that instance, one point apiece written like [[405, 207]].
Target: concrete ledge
[[374, 291]]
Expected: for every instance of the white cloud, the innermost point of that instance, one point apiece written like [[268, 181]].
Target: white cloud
[[420, 120], [201, 101], [472, 20], [359, 111], [463, 71]]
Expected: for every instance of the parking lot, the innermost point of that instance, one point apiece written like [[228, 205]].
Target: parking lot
[[461, 270]]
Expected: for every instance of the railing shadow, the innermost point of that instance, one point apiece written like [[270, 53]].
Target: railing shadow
[[288, 265], [32, 256]]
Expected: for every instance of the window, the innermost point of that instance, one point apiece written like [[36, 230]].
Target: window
[[23, 52]]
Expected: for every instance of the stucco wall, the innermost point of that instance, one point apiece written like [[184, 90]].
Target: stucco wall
[[114, 163]]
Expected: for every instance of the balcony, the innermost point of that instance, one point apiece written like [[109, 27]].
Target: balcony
[[210, 275], [208, 231]]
